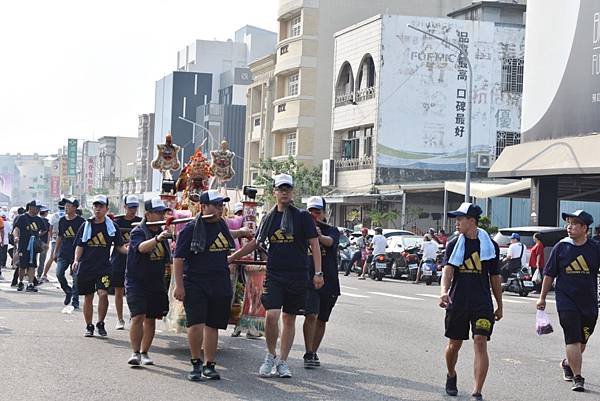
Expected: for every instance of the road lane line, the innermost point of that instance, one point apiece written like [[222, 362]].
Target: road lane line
[[512, 301], [385, 294], [428, 295], [347, 294], [348, 288]]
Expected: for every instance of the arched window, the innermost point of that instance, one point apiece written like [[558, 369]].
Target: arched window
[[344, 86], [365, 80]]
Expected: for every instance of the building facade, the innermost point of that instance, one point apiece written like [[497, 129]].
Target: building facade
[[145, 148]]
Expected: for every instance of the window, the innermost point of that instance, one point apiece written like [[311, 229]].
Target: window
[[296, 26], [257, 122], [368, 142], [291, 144], [512, 75], [504, 139], [350, 146], [293, 85]]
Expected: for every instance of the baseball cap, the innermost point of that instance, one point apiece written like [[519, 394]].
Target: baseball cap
[[584, 216], [72, 201], [35, 203], [466, 209], [131, 201], [155, 205], [515, 236], [212, 196], [238, 207], [315, 202], [283, 179], [102, 199]]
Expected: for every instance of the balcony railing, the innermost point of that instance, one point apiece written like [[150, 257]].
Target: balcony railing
[[365, 94], [354, 164], [354, 97], [343, 98]]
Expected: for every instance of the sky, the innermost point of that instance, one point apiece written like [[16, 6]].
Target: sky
[[86, 69]]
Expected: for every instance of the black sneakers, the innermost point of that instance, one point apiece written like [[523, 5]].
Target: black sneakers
[[31, 288], [210, 372], [89, 330], [316, 361], [196, 373], [308, 360], [20, 286], [67, 299], [578, 383], [567, 372], [451, 388], [476, 397], [101, 330]]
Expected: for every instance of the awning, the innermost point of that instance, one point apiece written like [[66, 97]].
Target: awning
[[565, 156], [488, 190]]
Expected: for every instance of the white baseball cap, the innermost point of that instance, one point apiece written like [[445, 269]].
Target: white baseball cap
[[238, 207], [102, 199], [131, 201], [283, 179], [315, 202], [155, 205]]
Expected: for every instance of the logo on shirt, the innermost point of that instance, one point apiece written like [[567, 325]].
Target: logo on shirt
[[97, 241], [220, 244], [471, 265], [69, 233], [33, 226], [158, 253], [279, 237], [578, 266], [126, 236]]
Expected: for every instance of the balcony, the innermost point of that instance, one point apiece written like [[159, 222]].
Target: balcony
[[343, 98], [358, 96], [365, 94], [362, 163]]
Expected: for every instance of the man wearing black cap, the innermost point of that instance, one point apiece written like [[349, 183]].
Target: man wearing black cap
[[118, 260], [26, 233], [64, 250], [147, 299], [574, 263], [92, 262], [471, 268], [202, 281]]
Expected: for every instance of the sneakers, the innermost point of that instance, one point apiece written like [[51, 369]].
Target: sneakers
[[316, 361], [67, 300], [578, 383], [451, 388], [31, 288], [146, 360], [309, 361], [120, 325], [283, 370], [89, 330], [476, 397], [567, 372], [101, 330], [43, 280], [20, 286], [266, 369], [135, 359], [196, 373], [210, 372], [362, 277]]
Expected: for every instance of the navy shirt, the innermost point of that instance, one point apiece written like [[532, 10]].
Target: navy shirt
[[67, 229], [146, 271], [208, 266], [576, 271], [288, 255], [470, 290], [329, 263], [117, 259], [95, 260], [28, 227], [45, 228]]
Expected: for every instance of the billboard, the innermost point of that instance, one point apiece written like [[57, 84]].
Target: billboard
[[423, 91], [561, 87], [72, 157]]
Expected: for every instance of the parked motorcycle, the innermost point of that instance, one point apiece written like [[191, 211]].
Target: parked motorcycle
[[519, 283], [429, 272], [378, 268]]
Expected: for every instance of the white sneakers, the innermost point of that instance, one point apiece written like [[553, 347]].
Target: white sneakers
[[274, 367], [120, 325], [138, 359]]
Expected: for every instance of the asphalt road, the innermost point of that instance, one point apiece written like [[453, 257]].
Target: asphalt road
[[384, 342]]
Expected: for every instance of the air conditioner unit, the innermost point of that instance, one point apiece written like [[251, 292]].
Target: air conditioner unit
[[484, 161]]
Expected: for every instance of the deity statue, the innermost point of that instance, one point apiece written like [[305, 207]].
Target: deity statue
[[166, 159], [222, 160], [193, 180]]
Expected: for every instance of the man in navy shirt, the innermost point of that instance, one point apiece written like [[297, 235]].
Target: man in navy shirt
[[26, 232], [574, 263], [320, 303], [146, 292], [118, 260], [202, 281], [289, 233], [470, 270], [92, 262]]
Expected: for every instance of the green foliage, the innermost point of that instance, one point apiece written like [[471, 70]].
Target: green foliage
[[379, 218], [486, 224], [307, 180]]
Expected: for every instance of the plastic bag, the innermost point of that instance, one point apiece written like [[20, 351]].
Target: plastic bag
[[542, 323], [175, 320], [537, 276]]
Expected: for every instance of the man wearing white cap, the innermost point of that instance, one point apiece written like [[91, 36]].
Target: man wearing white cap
[[26, 233], [92, 262], [117, 259], [289, 232]]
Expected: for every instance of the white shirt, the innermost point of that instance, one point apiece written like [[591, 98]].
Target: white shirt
[[429, 249], [379, 244], [514, 250], [7, 230]]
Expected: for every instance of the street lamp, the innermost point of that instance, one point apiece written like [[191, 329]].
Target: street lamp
[[469, 108], [194, 125]]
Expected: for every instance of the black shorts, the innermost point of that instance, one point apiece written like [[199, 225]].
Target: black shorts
[[117, 278], [153, 304], [89, 285], [319, 304], [24, 260], [577, 328], [289, 294], [208, 304], [458, 323]]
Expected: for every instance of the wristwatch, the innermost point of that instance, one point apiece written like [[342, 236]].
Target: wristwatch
[[319, 274]]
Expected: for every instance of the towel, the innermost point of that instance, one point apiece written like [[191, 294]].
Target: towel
[[31, 248], [487, 251], [286, 226], [149, 235], [198, 244], [87, 229]]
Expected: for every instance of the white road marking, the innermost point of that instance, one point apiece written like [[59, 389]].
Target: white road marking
[[385, 294], [428, 295], [511, 301], [347, 294], [348, 288]]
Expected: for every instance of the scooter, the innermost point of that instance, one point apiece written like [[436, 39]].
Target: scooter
[[429, 272], [345, 255], [519, 283], [378, 268]]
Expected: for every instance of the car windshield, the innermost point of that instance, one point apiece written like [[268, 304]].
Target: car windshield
[[503, 240]]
